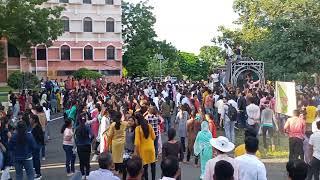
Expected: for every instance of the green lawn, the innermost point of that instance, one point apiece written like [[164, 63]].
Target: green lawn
[[5, 89], [281, 142]]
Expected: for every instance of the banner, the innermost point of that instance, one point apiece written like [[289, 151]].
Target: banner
[[286, 100]]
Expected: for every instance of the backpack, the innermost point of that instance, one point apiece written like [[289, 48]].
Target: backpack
[[232, 113]]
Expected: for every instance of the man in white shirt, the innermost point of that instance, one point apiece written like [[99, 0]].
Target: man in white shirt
[[178, 97], [253, 112], [186, 99], [105, 164], [220, 106], [314, 143], [250, 167], [170, 168], [221, 146]]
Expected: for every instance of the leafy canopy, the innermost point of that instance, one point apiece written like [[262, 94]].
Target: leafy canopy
[[26, 23]]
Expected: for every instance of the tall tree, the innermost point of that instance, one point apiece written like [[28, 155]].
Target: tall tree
[[212, 55], [138, 34], [26, 23], [283, 33]]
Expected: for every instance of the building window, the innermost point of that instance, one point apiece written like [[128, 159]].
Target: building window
[[41, 53], [87, 24], [109, 2], [86, 1], [63, 1], [88, 53], [111, 51], [13, 51], [65, 22], [111, 72], [65, 52], [64, 73], [110, 25]]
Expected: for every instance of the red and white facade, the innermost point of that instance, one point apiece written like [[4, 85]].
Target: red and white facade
[[92, 39]]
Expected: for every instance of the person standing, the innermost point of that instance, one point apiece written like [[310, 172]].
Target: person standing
[[250, 167], [202, 146], [83, 142], [22, 144], [166, 113], [68, 144], [221, 146], [193, 127], [228, 119], [253, 112], [170, 168], [208, 103], [144, 145], [295, 127], [268, 121], [129, 145], [314, 143], [181, 120], [297, 170], [38, 135], [311, 115], [223, 171], [154, 120], [116, 137], [104, 171]]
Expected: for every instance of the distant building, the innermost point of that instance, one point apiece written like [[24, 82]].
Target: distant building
[[92, 39]]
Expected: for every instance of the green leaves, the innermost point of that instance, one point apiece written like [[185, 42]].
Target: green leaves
[[23, 80], [26, 24], [83, 73], [283, 33]]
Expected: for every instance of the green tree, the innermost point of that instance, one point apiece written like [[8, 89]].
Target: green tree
[[26, 23], [283, 33], [83, 73], [192, 67], [212, 55], [138, 34], [23, 80]]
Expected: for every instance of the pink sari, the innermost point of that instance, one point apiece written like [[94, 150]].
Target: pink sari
[[95, 123]]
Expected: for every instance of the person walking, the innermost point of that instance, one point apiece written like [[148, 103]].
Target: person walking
[[68, 147], [104, 171], [202, 146], [22, 144], [154, 120], [83, 142], [295, 127], [144, 145]]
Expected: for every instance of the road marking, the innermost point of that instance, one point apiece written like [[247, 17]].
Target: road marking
[[57, 165], [61, 117]]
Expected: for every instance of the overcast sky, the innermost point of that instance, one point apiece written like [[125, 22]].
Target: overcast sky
[[191, 24]]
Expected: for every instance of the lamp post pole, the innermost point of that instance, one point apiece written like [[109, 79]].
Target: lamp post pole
[[160, 58]]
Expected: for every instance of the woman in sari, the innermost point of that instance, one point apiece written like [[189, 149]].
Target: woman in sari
[[202, 146]]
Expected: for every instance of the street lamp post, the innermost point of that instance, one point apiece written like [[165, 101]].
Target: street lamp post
[[160, 58]]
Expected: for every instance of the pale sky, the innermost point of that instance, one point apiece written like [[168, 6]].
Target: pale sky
[[191, 24]]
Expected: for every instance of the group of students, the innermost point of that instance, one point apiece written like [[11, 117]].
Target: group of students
[[125, 122]]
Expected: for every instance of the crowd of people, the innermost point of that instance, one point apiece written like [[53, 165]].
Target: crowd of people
[[128, 127]]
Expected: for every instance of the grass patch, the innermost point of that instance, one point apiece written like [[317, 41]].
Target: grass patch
[[5, 89], [3, 98], [281, 144]]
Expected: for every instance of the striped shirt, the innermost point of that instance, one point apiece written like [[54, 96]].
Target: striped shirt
[[154, 121]]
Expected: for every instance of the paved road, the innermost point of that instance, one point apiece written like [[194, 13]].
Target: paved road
[[53, 166]]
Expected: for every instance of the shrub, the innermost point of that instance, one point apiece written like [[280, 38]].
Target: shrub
[[23, 80], [86, 73]]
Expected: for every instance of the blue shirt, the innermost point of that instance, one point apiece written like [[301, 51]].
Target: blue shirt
[[22, 151]]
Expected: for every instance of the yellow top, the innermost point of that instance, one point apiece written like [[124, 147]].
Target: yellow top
[[241, 150], [204, 95], [145, 147], [311, 114], [116, 138]]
